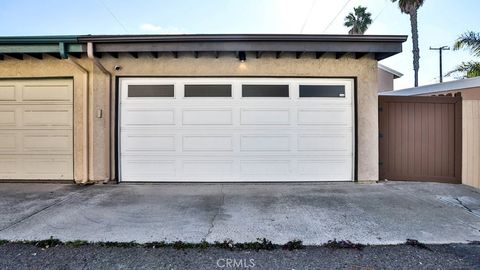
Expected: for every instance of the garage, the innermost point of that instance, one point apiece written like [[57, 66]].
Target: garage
[[36, 139], [236, 129]]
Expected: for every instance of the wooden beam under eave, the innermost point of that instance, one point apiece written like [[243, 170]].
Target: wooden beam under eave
[[339, 55], [55, 55], [17, 56], [298, 55], [359, 55], [113, 54], [76, 55], [35, 55], [133, 54], [319, 54]]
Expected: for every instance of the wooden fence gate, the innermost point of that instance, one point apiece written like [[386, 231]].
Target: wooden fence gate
[[420, 138]]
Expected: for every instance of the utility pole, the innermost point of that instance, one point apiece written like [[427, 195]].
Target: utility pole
[[440, 50]]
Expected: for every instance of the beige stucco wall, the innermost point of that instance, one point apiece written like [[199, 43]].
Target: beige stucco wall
[[101, 129], [471, 143], [54, 68]]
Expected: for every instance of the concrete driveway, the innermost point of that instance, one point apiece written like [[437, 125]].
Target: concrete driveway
[[385, 213]]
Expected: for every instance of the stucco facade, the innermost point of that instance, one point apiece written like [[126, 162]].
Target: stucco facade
[[95, 99]]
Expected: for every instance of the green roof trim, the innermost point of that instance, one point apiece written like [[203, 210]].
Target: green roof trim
[[60, 46], [38, 39]]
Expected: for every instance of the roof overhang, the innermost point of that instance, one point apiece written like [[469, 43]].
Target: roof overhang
[[396, 74], [436, 88], [359, 45]]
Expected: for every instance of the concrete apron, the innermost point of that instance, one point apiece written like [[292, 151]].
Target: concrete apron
[[314, 213]]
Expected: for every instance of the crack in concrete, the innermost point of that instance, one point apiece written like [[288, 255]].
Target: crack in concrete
[[55, 203], [212, 222], [463, 205]]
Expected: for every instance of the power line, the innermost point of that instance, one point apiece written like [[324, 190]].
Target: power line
[[336, 16], [115, 17], [308, 16], [380, 13]]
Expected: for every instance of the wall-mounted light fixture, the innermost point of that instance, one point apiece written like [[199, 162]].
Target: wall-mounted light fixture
[[242, 56]]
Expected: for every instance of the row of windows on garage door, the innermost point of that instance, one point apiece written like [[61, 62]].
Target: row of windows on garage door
[[189, 129]]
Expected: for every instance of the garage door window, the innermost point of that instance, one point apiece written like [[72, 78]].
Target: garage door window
[[322, 91], [151, 90], [204, 90], [256, 90]]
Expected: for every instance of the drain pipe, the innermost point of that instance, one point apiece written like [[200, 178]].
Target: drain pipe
[[85, 119], [105, 112]]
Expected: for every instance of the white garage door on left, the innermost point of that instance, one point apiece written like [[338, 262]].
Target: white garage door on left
[[36, 120]]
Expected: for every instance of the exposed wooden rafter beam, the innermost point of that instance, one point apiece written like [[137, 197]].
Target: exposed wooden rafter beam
[[339, 55], [359, 55], [17, 56], [55, 55], [134, 54], [75, 54], [35, 55], [319, 54]]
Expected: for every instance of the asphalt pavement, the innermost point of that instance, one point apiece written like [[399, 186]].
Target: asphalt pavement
[[452, 256]]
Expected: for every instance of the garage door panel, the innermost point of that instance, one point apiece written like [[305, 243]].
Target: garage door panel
[[331, 170], [207, 143], [7, 93], [8, 166], [52, 141], [324, 116], [36, 138], [47, 93], [148, 142], [147, 168], [263, 169], [207, 169], [207, 117], [265, 116], [237, 139], [149, 117], [44, 167], [322, 142], [7, 116], [265, 143], [59, 166], [8, 141], [55, 115], [36, 141]]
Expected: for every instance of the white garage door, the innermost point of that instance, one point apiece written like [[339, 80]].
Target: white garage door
[[36, 140], [236, 129]]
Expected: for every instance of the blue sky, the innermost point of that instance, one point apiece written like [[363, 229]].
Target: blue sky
[[440, 22]]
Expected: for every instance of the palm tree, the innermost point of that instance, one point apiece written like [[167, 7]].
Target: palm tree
[[359, 20], [470, 40], [411, 7]]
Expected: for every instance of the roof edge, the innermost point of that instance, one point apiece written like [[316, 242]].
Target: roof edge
[[435, 88], [241, 37]]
